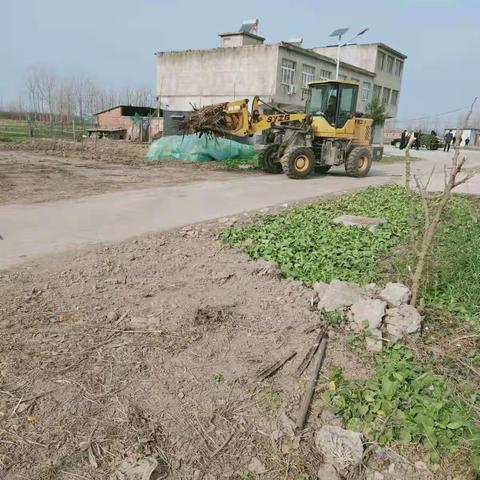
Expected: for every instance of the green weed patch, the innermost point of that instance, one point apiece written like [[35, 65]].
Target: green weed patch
[[309, 247], [403, 403], [454, 277], [241, 163]]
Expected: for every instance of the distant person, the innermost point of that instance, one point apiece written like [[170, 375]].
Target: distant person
[[458, 137], [467, 141], [403, 140], [416, 143], [434, 133], [448, 140]]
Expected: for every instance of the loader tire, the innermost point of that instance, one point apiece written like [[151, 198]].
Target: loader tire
[[267, 160], [322, 169], [359, 162], [299, 163]]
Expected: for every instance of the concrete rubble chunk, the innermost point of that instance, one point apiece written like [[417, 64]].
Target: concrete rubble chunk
[[374, 342], [341, 448], [320, 288], [372, 290], [368, 310], [328, 472], [256, 466], [402, 320], [113, 316], [340, 295], [358, 221], [395, 294], [141, 470]]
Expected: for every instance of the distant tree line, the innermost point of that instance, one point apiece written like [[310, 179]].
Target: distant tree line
[[49, 97]]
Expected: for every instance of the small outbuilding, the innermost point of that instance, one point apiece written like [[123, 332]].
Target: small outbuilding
[[128, 122]]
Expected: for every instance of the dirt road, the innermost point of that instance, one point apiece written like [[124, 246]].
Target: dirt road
[[33, 230]]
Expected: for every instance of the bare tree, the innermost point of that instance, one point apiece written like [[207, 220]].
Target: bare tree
[[49, 95], [433, 207]]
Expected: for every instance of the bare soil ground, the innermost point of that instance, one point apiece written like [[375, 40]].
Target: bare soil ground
[[151, 347], [47, 170]]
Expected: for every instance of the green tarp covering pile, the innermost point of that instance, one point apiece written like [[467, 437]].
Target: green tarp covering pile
[[198, 149]]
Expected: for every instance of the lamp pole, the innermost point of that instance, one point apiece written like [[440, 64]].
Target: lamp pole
[[339, 33], [338, 57]]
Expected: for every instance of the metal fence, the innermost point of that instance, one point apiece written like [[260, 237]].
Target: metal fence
[[14, 130]]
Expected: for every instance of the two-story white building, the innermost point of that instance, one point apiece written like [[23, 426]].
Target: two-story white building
[[244, 66]]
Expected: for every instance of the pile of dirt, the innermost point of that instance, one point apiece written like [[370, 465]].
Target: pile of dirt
[[151, 347]]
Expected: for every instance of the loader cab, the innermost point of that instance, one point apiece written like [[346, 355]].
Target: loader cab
[[334, 100]]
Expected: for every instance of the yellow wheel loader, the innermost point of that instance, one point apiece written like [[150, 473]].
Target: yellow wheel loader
[[328, 133]]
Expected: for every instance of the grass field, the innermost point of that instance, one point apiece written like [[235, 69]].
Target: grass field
[[13, 130]]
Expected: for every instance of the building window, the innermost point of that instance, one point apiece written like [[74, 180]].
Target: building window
[[365, 91], [342, 77], [377, 89], [398, 67], [390, 64], [325, 75], [288, 72], [381, 61], [308, 75], [386, 96], [394, 99]]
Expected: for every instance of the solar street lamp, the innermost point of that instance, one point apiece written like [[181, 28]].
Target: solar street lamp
[[339, 33]]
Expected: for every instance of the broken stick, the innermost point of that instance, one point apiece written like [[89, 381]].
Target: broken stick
[[267, 372], [311, 353], [307, 399]]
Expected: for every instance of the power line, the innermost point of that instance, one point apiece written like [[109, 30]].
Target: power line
[[433, 116]]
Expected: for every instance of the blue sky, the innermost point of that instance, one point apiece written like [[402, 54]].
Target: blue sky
[[113, 41]]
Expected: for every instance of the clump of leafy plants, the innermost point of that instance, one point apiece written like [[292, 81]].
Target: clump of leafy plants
[[334, 318], [403, 403], [218, 377], [308, 246]]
